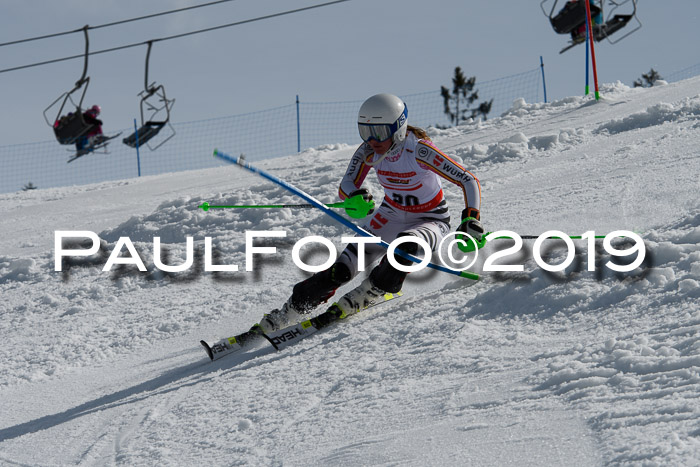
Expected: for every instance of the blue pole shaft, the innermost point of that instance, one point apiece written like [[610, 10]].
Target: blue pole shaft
[[138, 156], [298, 127], [309, 199], [544, 83]]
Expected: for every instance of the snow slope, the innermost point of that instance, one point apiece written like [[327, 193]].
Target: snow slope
[[531, 368]]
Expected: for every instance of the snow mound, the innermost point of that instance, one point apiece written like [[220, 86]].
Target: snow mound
[[658, 114]]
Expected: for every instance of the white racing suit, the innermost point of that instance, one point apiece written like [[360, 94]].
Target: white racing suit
[[413, 204]]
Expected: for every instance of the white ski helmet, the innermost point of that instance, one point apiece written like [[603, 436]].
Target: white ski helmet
[[381, 117]]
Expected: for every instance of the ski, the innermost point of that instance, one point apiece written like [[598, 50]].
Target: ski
[[290, 335], [572, 44], [101, 143], [284, 337], [230, 345]]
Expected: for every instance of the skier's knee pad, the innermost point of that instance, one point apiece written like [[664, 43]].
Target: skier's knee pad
[[408, 247], [340, 273], [387, 277], [310, 293]]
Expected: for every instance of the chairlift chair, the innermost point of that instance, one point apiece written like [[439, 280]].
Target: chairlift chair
[[69, 128], [570, 17], [157, 106], [615, 21], [573, 15], [72, 126], [154, 103]]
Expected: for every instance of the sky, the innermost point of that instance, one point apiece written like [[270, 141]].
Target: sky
[[342, 52]]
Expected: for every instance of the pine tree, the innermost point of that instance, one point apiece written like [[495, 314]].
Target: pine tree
[[462, 97], [649, 79]]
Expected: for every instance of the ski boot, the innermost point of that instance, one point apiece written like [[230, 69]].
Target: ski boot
[[277, 319], [364, 295]]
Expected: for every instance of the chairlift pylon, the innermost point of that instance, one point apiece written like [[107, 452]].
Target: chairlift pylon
[[573, 15], [156, 105], [72, 126]]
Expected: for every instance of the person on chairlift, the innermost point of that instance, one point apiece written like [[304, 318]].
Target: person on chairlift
[[578, 34], [90, 138]]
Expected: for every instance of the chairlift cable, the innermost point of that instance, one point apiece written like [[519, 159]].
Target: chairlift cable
[[115, 23], [245, 21], [175, 36]]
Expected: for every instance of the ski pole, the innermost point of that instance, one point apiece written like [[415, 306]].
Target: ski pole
[[205, 206], [470, 246], [535, 237], [359, 230], [355, 207]]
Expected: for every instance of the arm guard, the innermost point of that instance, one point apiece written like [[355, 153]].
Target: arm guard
[[356, 172], [435, 160]]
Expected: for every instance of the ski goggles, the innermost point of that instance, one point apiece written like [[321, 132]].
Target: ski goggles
[[381, 132]]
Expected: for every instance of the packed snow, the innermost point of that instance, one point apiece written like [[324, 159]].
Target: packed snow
[[575, 367]]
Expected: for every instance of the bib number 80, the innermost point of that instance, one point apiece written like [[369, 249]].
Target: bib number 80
[[408, 200]]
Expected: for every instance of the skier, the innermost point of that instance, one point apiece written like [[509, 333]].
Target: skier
[[409, 168], [86, 141], [578, 33]]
